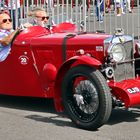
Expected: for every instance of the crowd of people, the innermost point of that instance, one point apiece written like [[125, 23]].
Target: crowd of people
[[104, 6], [122, 6], [101, 7], [118, 6]]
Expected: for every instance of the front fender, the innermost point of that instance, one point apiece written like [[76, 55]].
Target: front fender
[[74, 61], [128, 91], [84, 60]]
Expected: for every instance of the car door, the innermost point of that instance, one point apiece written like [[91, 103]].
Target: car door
[[18, 75]]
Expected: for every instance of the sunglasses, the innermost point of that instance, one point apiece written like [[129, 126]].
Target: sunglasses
[[6, 20], [43, 18]]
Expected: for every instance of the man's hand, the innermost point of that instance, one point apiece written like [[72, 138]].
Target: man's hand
[[27, 25]]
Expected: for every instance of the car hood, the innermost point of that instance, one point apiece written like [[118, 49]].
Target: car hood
[[75, 39]]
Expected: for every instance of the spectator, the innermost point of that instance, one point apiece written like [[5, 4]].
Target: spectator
[[123, 6], [118, 7], [99, 9], [112, 5], [80, 2], [50, 3], [6, 35], [128, 3], [2, 5], [107, 5]]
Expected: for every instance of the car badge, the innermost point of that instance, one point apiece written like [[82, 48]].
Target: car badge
[[99, 48]]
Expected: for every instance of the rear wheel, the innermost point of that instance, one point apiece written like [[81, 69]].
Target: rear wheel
[[86, 97]]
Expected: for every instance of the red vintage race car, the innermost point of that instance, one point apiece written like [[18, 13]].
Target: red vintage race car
[[87, 74]]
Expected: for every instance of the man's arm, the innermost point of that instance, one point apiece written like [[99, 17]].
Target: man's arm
[[7, 40]]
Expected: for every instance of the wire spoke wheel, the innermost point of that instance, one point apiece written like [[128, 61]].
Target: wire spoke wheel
[[86, 97]]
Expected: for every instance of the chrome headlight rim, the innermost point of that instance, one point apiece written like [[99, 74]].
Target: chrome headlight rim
[[119, 49]]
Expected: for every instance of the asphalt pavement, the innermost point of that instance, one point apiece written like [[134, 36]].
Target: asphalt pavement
[[36, 119]]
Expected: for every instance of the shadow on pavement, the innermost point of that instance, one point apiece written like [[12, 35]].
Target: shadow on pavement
[[124, 115], [27, 103], [60, 119], [37, 105]]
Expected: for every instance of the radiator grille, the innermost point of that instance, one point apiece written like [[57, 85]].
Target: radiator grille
[[125, 70]]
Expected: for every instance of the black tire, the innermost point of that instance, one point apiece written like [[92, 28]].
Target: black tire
[[86, 97]]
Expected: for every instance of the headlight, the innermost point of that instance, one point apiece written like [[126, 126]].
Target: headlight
[[117, 52]]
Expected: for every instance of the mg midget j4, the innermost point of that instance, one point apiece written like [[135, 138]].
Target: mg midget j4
[[87, 74]]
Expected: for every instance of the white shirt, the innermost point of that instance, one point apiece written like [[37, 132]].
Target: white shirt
[[4, 50]]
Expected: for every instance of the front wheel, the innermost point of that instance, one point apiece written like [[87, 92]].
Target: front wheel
[[86, 97]]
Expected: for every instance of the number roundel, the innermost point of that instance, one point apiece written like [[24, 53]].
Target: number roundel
[[23, 59]]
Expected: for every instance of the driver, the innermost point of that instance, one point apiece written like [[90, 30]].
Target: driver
[[6, 35]]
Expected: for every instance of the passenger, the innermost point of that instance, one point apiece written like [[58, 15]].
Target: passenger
[[39, 18], [6, 35]]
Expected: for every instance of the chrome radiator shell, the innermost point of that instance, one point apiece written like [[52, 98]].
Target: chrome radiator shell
[[126, 69]]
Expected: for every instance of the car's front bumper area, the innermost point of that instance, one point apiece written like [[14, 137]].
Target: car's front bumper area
[[127, 91]]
